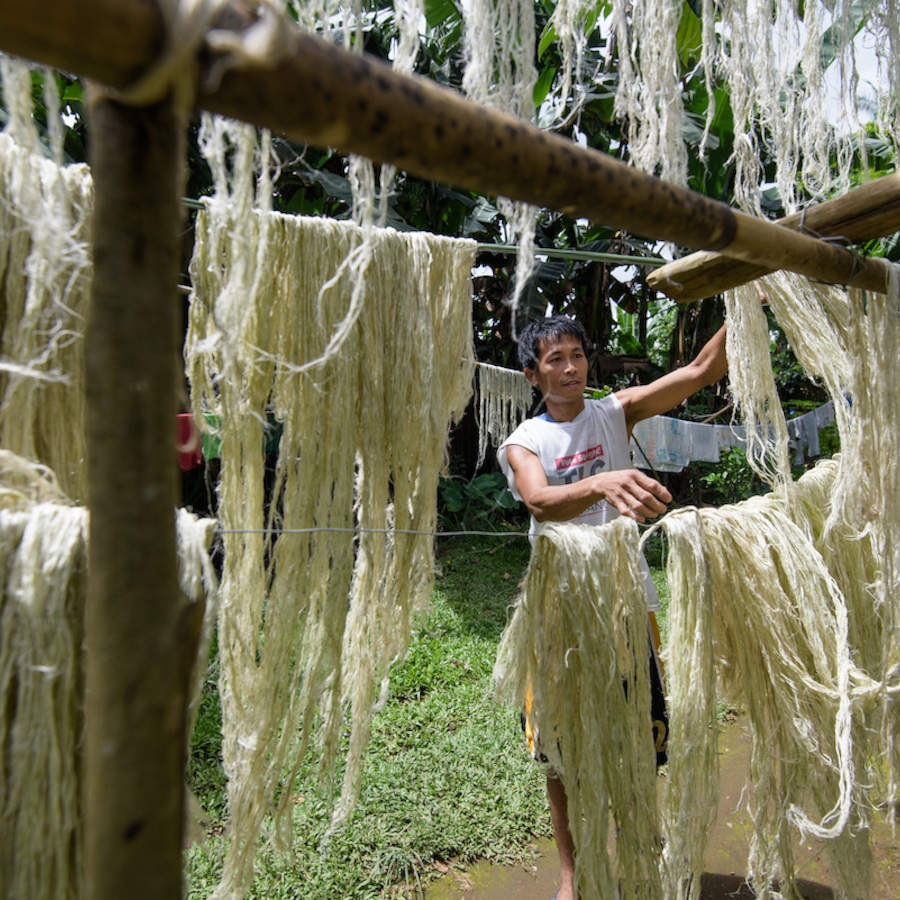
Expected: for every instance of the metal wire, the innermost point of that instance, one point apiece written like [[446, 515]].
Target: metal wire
[[372, 531]]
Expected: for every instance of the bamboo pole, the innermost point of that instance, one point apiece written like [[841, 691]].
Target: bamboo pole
[[322, 95], [869, 211], [141, 634]]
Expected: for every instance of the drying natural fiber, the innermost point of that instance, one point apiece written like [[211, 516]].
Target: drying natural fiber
[[779, 643], [43, 589], [753, 389], [578, 636], [754, 612], [792, 75], [784, 605], [45, 268], [649, 93], [827, 544], [849, 341], [500, 73], [310, 622], [43, 565], [504, 398]]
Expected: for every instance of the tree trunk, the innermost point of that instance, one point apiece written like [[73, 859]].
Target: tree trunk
[[139, 630]]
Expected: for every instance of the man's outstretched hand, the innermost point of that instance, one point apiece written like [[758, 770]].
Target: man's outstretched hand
[[634, 494]]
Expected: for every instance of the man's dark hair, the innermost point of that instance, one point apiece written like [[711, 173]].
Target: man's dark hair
[[550, 328]]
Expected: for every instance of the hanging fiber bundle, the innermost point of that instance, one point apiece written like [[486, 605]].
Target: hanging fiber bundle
[[867, 497], [780, 646], [649, 94], [45, 268], [576, 652], [322, 575], [753, 388], [500, 73], [43, 592], [43, 572], [691, 787], [504, 398], [851, 558], [849, 341]]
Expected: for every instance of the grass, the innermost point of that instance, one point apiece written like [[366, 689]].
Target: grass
[[447, 778]]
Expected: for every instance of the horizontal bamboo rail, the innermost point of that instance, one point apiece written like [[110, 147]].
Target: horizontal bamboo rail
[[869, 211], [325, 96]]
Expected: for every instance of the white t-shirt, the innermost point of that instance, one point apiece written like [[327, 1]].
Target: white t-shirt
[[595, 440]]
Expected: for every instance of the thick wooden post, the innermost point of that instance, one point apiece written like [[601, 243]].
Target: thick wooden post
[[138, 630]]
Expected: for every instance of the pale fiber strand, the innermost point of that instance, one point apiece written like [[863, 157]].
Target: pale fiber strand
[[43, 590], [753, 387], [363, 442], [867, 495], [199, 582], [45, 272], [499, 49], [568, 21], [43, 564], [826, 328], [780, 647], [851, 559], [850, 342], [344, 23], [579, 629], [504, 398], [651, 104], [691, 786]]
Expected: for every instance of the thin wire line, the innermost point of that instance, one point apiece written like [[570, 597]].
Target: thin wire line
[[586, 255], [372, 531]]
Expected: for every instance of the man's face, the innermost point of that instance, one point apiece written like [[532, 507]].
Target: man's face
[[561, 372]]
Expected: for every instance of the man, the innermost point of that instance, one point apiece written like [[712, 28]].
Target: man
[[572, 463]]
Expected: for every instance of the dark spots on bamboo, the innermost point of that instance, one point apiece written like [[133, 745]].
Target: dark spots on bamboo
[[412, 93], [569, 157], [379, 122], [134, 829]]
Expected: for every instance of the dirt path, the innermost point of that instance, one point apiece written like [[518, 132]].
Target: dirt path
[[726, 858]]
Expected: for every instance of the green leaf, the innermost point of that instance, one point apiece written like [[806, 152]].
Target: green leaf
[[441, 12], [544, 83], [548, 37], [689, 40]]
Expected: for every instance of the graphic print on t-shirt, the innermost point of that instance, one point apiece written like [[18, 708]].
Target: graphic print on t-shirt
[[570, 469], [576, 466]]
